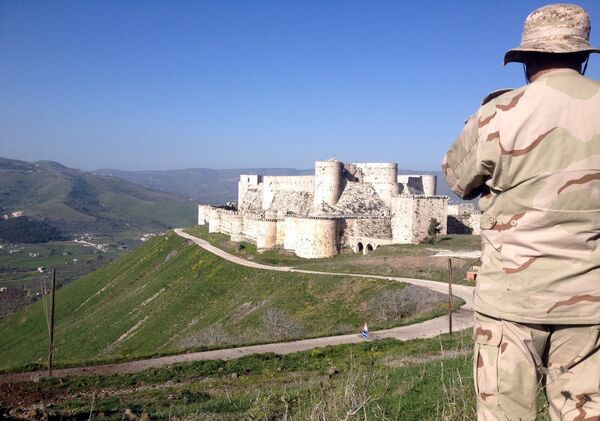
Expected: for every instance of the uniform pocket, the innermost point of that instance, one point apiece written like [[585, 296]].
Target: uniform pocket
[[488, 336], [492, 239]]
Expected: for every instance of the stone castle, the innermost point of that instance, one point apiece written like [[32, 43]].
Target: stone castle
[[343, 206]]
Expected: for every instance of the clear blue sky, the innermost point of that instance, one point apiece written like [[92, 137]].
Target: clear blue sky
[[230, 84]]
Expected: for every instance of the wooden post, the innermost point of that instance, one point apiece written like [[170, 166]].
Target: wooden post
[[450, 295], [51, 339]]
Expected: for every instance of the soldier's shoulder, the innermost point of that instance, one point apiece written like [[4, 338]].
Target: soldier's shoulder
[[503, 99], [495, 94]]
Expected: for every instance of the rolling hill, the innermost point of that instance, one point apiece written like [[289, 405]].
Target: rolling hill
[[169, 295], [75, 201]]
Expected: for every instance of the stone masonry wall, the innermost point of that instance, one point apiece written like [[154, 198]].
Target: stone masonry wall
[[250, 228], [316, 238], [291, 226], [274, 184], [280, 240], [266, 235], [426, 208], [402, 219]]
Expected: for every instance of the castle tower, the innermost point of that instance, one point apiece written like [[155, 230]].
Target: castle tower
[[383, 177], [328, 181], [429, 185]]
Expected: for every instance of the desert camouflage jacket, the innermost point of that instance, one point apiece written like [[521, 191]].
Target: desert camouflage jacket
[[533, 155]]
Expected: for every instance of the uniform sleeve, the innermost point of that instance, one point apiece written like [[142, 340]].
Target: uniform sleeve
[[465, 173]]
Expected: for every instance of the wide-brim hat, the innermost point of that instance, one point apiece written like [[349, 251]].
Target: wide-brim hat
[[555, 28]]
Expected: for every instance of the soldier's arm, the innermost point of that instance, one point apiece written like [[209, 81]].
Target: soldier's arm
[[465, 173]]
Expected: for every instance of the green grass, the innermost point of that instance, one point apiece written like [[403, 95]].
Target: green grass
[[402, 378], [169, 295], [415, 380], [402, 260]]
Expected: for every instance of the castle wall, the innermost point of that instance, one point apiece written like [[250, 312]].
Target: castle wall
[[373, 228], [203, 214], [427, 208], [461, 209], [411, 184], [382, 176], [214, 222], [464, 223], [280, 240], [411, 216], [316, 238], [475, 223], [247, 181], [225, 218], [402, 219], [372, 232], [250, 223], [274, 184], [291, 233], [232, 224], [266, 234], [328, 182]]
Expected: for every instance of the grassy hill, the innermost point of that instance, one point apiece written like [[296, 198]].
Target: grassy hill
[[168, 295], [75, 201]]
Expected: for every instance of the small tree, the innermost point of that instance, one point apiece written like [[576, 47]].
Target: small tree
[[432, 231]]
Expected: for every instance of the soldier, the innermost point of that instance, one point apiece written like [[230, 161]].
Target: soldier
[[532, 155]]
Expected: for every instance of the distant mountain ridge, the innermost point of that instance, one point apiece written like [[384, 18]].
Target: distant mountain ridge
[[77, 201], [215, 187]]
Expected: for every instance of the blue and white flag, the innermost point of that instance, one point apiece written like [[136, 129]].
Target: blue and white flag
[[365, 331]]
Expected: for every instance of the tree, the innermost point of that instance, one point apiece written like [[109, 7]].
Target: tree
[[432, 231]]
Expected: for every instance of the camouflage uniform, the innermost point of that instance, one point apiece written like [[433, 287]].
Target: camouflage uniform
[[533, 155]]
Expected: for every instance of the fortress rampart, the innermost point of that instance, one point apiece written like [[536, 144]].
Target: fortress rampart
[[357, 206]]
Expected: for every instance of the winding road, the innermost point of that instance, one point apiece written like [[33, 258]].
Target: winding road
[[461, 319]]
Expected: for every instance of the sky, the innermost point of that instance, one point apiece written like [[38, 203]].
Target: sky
[[159, 85]]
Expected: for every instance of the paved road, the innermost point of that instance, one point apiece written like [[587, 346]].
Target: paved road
[[462, 319]]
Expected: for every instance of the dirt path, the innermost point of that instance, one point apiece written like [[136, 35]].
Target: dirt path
[[462, 319]]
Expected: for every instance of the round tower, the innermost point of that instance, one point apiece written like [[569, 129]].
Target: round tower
[[328, 181], [214, 221], [266, 236], [384, 179], [429, 185], [237, 228], [316, 238]]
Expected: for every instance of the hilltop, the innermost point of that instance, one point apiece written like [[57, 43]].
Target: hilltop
[[74, 201]]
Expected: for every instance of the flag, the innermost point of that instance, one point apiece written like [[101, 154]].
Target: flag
[[365, 331]]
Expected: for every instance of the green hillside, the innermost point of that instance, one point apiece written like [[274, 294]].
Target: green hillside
[[75, 201], [168, 295]]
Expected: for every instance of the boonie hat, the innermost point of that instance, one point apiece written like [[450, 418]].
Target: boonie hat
[[555, 28]]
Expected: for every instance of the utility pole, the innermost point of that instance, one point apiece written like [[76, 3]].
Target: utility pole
[[51, 339], [450, 295]]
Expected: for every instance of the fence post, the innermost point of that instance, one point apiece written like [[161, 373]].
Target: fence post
[[450, 295]]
